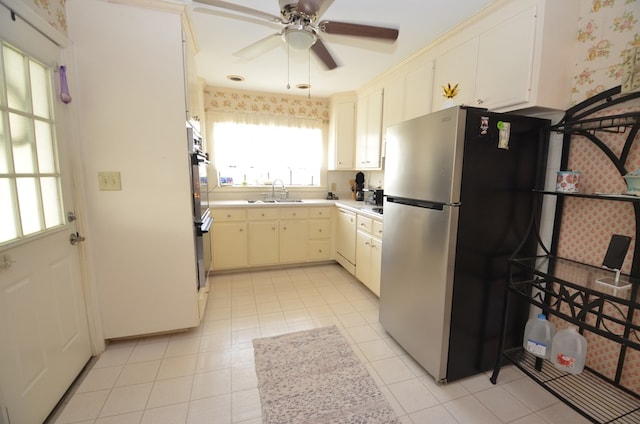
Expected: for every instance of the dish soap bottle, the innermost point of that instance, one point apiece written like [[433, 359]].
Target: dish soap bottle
[[538, 336], [569, 350]]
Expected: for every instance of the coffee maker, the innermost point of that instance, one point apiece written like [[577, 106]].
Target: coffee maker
[[359, 186]]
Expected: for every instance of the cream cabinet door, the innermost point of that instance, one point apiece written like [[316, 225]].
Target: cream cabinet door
[[376, 265], [264, 243], [418, 91], [294, 239], [457, 66], [363, 257], [229, 245], [369, 130], [511, 45], [342, 137]]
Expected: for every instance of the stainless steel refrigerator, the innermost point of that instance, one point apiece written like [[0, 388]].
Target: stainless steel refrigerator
[[458, 204]]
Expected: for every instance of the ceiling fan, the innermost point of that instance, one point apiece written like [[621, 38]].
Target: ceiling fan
[[302, 28]]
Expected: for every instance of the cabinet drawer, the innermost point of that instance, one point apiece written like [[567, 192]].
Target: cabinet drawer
[[377, 229], [319, 229], [320, 212], [319, 250], [293, 213], [263, 213], [364, 223], [224, 215]]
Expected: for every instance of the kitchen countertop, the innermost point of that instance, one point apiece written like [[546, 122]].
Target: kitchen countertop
[[352, 205]]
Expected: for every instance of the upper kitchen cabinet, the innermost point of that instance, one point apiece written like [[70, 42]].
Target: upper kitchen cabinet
[[418, 88], [342, 131], [369, 130], [457, 66], [194, 85], [394, 101], [517, 57]]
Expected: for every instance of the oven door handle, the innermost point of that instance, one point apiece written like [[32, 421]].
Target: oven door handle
[[205, 226]]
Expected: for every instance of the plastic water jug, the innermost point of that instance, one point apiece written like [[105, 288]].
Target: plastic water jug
[[538, 336], [569, 350]]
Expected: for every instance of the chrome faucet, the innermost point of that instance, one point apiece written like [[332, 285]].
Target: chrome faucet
[[273, 188]]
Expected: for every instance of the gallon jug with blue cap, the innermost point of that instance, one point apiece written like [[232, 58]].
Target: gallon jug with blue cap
[[538, 336]]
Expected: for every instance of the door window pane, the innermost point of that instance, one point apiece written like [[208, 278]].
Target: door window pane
[[17, 82], [51, 202], [29, 203], [44, 143], [39, 89], [8, 229], [4, 147], [22, 142]]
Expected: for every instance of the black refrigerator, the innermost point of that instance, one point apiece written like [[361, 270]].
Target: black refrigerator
[[458, 203]]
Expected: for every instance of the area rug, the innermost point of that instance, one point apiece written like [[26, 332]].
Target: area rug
[[314, 377]]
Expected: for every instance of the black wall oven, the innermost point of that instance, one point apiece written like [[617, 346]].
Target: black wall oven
[[202, 219]]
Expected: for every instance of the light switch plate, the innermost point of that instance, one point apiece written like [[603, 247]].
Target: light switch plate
[[109, 181]]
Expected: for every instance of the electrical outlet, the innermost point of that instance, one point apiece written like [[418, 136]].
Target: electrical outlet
[[109, 181]]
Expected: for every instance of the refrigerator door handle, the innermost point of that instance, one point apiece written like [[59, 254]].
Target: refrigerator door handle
[[420, 203]]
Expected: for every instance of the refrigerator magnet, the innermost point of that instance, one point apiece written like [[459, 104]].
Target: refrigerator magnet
[[504, 134], [484, 125]]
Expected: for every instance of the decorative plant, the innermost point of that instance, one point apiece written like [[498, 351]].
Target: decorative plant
[[450, 92]]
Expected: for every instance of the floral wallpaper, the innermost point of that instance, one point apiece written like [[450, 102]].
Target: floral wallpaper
[[607, 30], [52, 11], [220, 100]]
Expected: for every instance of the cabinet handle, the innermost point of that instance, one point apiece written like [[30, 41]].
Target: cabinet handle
[[367, 243], [262, 214], [320, 230], [241, 229], [284, 228], [479, 101], [228, 215], [273, 228]]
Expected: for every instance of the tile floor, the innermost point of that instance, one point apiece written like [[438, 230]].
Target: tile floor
[[206, 375]]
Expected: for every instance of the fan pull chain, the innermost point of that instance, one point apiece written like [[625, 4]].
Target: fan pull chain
[[309, 73], [288, 67]]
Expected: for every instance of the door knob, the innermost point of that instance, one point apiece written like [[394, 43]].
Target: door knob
[[75, 238]]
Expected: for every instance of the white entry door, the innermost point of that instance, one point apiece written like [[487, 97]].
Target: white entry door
[[44, 336]]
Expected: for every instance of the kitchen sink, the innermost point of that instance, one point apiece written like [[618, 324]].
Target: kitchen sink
[[276, 201]]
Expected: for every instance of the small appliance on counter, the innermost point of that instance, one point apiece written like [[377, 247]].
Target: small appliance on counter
[[360, 186], [374, 196]]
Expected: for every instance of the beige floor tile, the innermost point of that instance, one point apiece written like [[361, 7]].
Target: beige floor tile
[[171, 414], [138, 373], [127, 399], [170, 392]]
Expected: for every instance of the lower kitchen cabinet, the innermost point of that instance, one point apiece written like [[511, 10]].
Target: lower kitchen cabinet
[[251, 237], [229, 245], [294, 236], [264, 243], [320, 233], [369, 253], [264, 239], [229, 242]]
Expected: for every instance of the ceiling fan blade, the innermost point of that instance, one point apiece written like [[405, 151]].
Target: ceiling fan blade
[[242, 9], [260, 47], [320, 50], [313, 7], [358, 30]]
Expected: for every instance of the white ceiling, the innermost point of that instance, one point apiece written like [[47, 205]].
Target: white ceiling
[[220, 33]]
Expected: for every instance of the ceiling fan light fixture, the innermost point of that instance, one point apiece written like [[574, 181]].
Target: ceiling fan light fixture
[[299, 38]]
